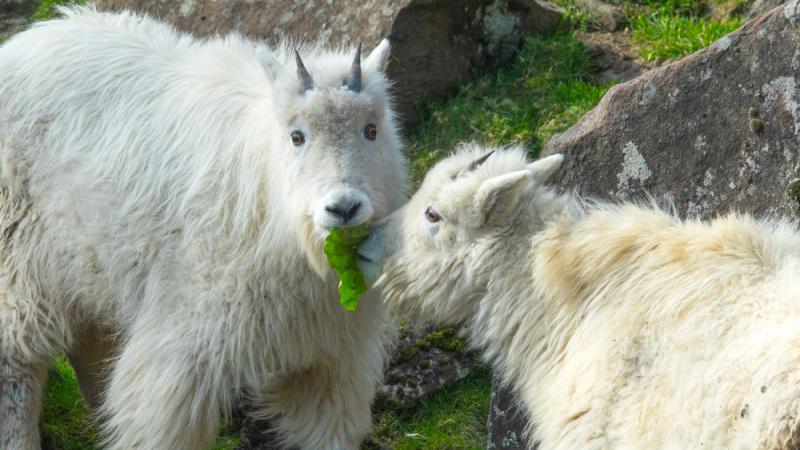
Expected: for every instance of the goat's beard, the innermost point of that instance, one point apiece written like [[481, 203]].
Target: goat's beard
[[312, 242]]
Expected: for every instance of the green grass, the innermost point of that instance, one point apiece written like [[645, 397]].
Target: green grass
[[665, 30], [46, 9], [453, 418], [226, 441], [548, 88], [67, 419], [670, 32], [68, 422]]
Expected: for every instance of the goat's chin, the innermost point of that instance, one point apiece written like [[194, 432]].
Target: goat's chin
[[312, 241]]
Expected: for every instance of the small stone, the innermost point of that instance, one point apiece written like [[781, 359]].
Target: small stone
[[422, 364], [756, 125], [607, 16], [753, 112]]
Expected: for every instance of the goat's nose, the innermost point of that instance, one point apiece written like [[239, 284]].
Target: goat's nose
[[344, 211]]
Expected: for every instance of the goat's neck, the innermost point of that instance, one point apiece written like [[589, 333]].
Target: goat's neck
[[521, 326]]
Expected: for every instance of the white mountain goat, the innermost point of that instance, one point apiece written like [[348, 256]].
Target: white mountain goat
[[619, 326], [163, 203]]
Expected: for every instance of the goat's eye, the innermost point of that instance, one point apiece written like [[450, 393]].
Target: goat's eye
[[370, 131], [431, 215], [298, 138]]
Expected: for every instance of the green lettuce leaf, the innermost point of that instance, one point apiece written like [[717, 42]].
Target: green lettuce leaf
[[340, 249]]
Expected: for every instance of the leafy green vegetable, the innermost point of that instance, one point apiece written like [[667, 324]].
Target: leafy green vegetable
[[340, 248]]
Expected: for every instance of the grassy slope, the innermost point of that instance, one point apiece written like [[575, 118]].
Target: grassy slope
[[546, 89], [674, 28]]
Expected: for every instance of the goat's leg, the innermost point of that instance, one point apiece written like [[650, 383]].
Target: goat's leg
[[164, 391], [23, 370], [327, 407], [91, 354], [20, 402]]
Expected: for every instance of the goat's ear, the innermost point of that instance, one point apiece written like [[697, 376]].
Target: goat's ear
[[498, 196], [272, 67], [379, 57], [544, 168]]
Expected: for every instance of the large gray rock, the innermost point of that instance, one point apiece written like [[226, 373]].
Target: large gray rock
[[17, 6], [435, 43], [716, 131], [14, 15]]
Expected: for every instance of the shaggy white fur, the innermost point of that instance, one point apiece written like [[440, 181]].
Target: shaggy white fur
[[162, 221], [619, 326]]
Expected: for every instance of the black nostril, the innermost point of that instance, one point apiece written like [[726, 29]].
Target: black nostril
[[345, 213], [352, 211]]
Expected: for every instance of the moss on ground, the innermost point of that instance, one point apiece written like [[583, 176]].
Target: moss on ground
[[445, 339]]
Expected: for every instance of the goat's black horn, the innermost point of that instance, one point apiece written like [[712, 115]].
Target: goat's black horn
[[477, 163], [353, 80], [303, 75], [473, 165]]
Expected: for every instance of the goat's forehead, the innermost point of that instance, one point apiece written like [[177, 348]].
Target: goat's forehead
[[336, 105], [500, 163], [446, 193], [442, 185]]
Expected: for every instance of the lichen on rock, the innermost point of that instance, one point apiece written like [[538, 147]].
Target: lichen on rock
[[634, 168]]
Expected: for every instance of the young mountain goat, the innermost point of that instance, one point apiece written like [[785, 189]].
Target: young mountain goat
[[163, 204], [619, 326]]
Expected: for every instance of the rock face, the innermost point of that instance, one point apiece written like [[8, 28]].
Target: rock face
[[506, 421], [716, 131], [14, 14], [435, 43], [761, 6], [17, 6]]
